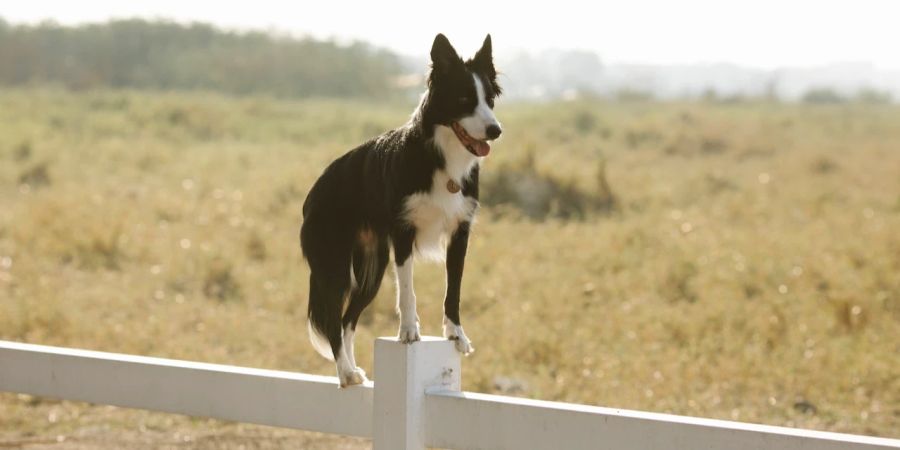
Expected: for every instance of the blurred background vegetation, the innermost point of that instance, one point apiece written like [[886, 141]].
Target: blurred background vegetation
[[142, 54], [730, 257], [154, 55]]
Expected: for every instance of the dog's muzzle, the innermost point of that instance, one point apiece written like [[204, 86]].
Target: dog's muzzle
[[474, 146]]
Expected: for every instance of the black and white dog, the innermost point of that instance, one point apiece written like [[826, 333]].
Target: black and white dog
[[414, 188]]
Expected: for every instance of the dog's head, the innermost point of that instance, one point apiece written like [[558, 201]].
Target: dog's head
[[462, 94]]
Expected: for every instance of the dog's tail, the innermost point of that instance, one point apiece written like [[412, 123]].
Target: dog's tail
[[319, 341], [327, 286], [326, 303]]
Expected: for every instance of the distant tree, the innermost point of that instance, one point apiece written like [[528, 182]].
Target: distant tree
[[633, 95], [873, 96], [770, 93], [823, 96], [710, 95], [165, 55]]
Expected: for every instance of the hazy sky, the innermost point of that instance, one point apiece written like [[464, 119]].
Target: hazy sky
[[759, 33]]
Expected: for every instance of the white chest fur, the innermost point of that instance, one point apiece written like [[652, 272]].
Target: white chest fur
[[436, 214]]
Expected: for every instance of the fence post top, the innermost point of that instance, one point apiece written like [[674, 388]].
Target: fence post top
[[424, 340]]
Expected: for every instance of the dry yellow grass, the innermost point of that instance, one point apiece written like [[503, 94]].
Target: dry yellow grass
[[750, 269]]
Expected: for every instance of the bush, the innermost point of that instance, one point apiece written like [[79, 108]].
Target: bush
[[219, 283], [541, 195]]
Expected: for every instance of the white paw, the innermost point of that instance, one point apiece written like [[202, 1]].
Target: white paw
[[456, 334], [409, 333], [463, 345], [353, 377]]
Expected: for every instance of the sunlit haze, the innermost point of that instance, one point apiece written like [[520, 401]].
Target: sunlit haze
[[763, 34]]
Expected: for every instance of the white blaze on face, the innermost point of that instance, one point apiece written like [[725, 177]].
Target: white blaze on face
[[483, 116]]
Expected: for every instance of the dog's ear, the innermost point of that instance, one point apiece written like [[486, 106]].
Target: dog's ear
[[443, 55], [484, 59], [483, 62]]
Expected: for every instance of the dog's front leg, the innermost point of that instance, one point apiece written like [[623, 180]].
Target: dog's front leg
[[406, 296], [456, 257]]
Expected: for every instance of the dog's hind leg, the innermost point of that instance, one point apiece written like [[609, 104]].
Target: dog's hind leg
[[370, 259], [329, 255], [326, 297]]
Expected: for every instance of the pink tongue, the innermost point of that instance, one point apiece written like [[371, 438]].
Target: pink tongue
[[482, 148]]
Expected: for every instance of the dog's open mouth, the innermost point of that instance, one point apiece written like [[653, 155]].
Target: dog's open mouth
[[474, 146]]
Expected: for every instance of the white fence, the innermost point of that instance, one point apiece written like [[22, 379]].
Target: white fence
[[416, 402]]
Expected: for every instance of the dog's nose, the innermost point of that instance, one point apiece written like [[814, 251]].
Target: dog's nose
[[493, 131]]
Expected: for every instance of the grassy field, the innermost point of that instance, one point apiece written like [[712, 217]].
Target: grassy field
[[735, 261]]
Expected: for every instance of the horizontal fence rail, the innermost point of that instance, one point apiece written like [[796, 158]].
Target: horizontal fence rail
[[240, 394], [481, 421], [416, 402]]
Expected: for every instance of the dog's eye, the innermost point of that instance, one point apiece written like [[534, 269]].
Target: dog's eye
[[463, 100]]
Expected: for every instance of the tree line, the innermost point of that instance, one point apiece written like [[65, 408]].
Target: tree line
[[145, 54]]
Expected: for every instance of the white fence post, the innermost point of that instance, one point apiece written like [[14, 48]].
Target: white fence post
[[402, 373]]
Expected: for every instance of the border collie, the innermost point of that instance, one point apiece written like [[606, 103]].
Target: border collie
[[411, 189]]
